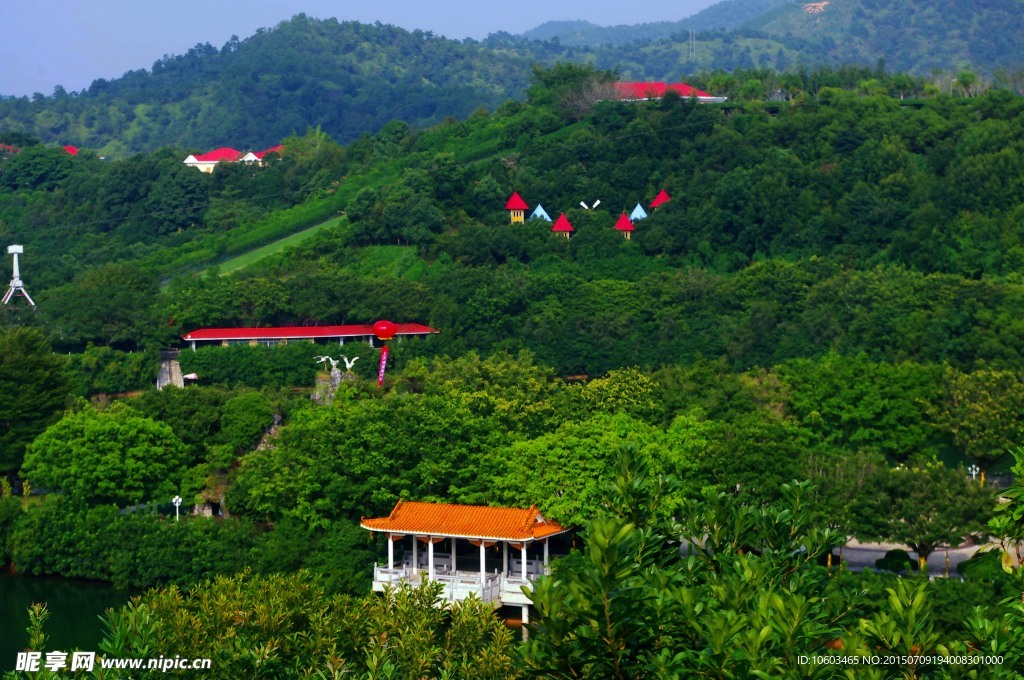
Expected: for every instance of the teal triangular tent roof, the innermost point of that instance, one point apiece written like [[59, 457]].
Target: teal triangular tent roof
[[540, 214], [638, 213]]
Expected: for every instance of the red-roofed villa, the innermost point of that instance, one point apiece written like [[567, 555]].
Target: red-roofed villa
[[281, 335], [468, 560], [257, 156], [206, 162]]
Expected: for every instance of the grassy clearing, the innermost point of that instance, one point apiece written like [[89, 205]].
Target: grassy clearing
[[246, 259]]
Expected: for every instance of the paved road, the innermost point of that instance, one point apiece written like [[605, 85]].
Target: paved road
[[859, 555]]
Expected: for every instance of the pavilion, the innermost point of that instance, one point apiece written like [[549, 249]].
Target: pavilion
[[464, 562]]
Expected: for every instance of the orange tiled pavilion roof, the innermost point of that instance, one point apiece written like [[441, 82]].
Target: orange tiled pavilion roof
[[465, 521]]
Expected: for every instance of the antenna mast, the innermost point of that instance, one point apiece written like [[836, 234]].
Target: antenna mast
[[16, 285]]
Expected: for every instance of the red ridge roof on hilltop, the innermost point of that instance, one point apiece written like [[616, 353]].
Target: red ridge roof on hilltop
[[656, 90], [274, 149], [465, 521], [217, 155]]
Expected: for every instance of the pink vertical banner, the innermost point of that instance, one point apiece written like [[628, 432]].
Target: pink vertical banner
[[383, 365]]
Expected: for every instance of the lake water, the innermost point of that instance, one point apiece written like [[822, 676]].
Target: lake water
[[74, 606]]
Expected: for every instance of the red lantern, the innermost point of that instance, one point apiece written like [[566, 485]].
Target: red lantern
[[384, 330]]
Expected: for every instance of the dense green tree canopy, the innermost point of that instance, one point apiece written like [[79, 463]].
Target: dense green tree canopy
[[111, 456], [33, 391]]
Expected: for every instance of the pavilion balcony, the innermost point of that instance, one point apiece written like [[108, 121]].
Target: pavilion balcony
[[496, 589]]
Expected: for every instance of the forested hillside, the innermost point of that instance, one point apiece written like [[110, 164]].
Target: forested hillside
[[727, 15], [842, 194], [909, 35], [936, 40], [346, 77], [350, 79], [810, 341]]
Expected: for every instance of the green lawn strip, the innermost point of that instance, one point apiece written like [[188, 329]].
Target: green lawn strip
[[245, 259]]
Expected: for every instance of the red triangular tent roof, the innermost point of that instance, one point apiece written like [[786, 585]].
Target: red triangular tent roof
[[624, 224], [516, 202], [662, 197], [562, 224]]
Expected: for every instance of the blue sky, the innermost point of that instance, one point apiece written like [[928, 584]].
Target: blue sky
[[73, 42]]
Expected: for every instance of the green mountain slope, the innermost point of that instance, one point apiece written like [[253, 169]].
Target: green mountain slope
[[348, 78], [726, 15], [587, 34], [910, 35]]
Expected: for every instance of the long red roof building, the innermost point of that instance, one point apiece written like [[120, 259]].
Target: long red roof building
[[281, 334]]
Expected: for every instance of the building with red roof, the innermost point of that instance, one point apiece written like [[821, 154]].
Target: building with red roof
[[206, 162], [625, 225], [464, 562], [257, 156], [517, 208], [643, 91], [562, 226], [70, 150], [282, 335]]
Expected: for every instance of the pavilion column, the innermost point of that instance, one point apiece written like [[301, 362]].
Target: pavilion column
[[504, 558], [415, 558], [526, 619], [391, 552], [545, 555], [483, 568], [430, 557], [524, 560], [455, 567]]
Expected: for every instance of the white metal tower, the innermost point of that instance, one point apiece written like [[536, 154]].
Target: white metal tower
[[16, 285]]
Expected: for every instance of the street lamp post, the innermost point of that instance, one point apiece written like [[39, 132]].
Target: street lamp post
[[177, 503], [974, 470]]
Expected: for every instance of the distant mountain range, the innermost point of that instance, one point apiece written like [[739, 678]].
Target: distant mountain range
[[726, 15], [350, 78], [916, 36]]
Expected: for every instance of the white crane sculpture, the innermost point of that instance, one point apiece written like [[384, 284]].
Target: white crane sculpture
[[334, 362], [325, 359]]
